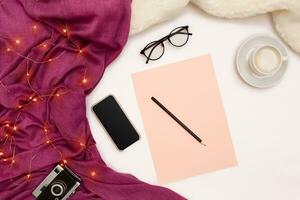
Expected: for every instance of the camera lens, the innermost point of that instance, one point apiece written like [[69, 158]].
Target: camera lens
[[57, 189]]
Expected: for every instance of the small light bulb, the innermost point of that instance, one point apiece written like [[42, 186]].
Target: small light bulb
[[80, 51], [81, 144], [57, 95], [1, 153], [64, 30], [19, 106], [50, 60], [7, 125], [30, 97], [18, 41], [65, 161], [84, 80], [35, 27], [28, 175], [93, 173], [44, 45], [15, 128], [8, 49], [13, 161], [34, 99], [48, 142], [27, 74], [4, 159]]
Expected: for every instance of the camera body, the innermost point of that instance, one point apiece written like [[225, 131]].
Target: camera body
[[60, 184]]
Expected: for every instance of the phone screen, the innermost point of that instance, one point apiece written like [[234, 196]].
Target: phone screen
[[115, 122]]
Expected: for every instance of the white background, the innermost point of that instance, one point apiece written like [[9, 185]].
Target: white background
[[264, 123]]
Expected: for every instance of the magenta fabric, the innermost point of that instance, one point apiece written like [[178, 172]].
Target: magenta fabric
[[52, 54]]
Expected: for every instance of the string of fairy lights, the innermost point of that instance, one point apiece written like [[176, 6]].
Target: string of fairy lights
[[10, 127]]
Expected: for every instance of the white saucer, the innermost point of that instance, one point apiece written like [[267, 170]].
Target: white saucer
[[243, 66]]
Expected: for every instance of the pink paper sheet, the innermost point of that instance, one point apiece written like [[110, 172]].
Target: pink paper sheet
[[189, 90]]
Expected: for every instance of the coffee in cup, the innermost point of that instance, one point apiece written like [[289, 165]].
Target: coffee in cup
[[266, 60]]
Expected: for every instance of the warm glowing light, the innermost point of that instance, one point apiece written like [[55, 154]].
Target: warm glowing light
[[17, 42]]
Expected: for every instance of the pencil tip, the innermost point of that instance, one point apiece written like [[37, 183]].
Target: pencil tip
[[203, 144]]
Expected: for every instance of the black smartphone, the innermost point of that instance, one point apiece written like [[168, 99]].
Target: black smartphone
[[115, 122]]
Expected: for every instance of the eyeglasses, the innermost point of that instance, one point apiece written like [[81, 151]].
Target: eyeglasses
[[178, 38]]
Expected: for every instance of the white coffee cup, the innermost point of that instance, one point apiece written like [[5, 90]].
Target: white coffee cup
[[266, 60]]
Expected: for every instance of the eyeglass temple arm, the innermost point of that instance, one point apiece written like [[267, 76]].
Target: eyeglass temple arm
[[148, 57]]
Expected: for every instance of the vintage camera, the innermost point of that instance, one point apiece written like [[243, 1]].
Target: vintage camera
[[60, 184]]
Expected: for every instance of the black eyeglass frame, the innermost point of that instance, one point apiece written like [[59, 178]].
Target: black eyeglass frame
[[161, 41]]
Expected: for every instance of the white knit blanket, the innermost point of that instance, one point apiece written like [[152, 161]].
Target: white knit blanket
[[286, 13]]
